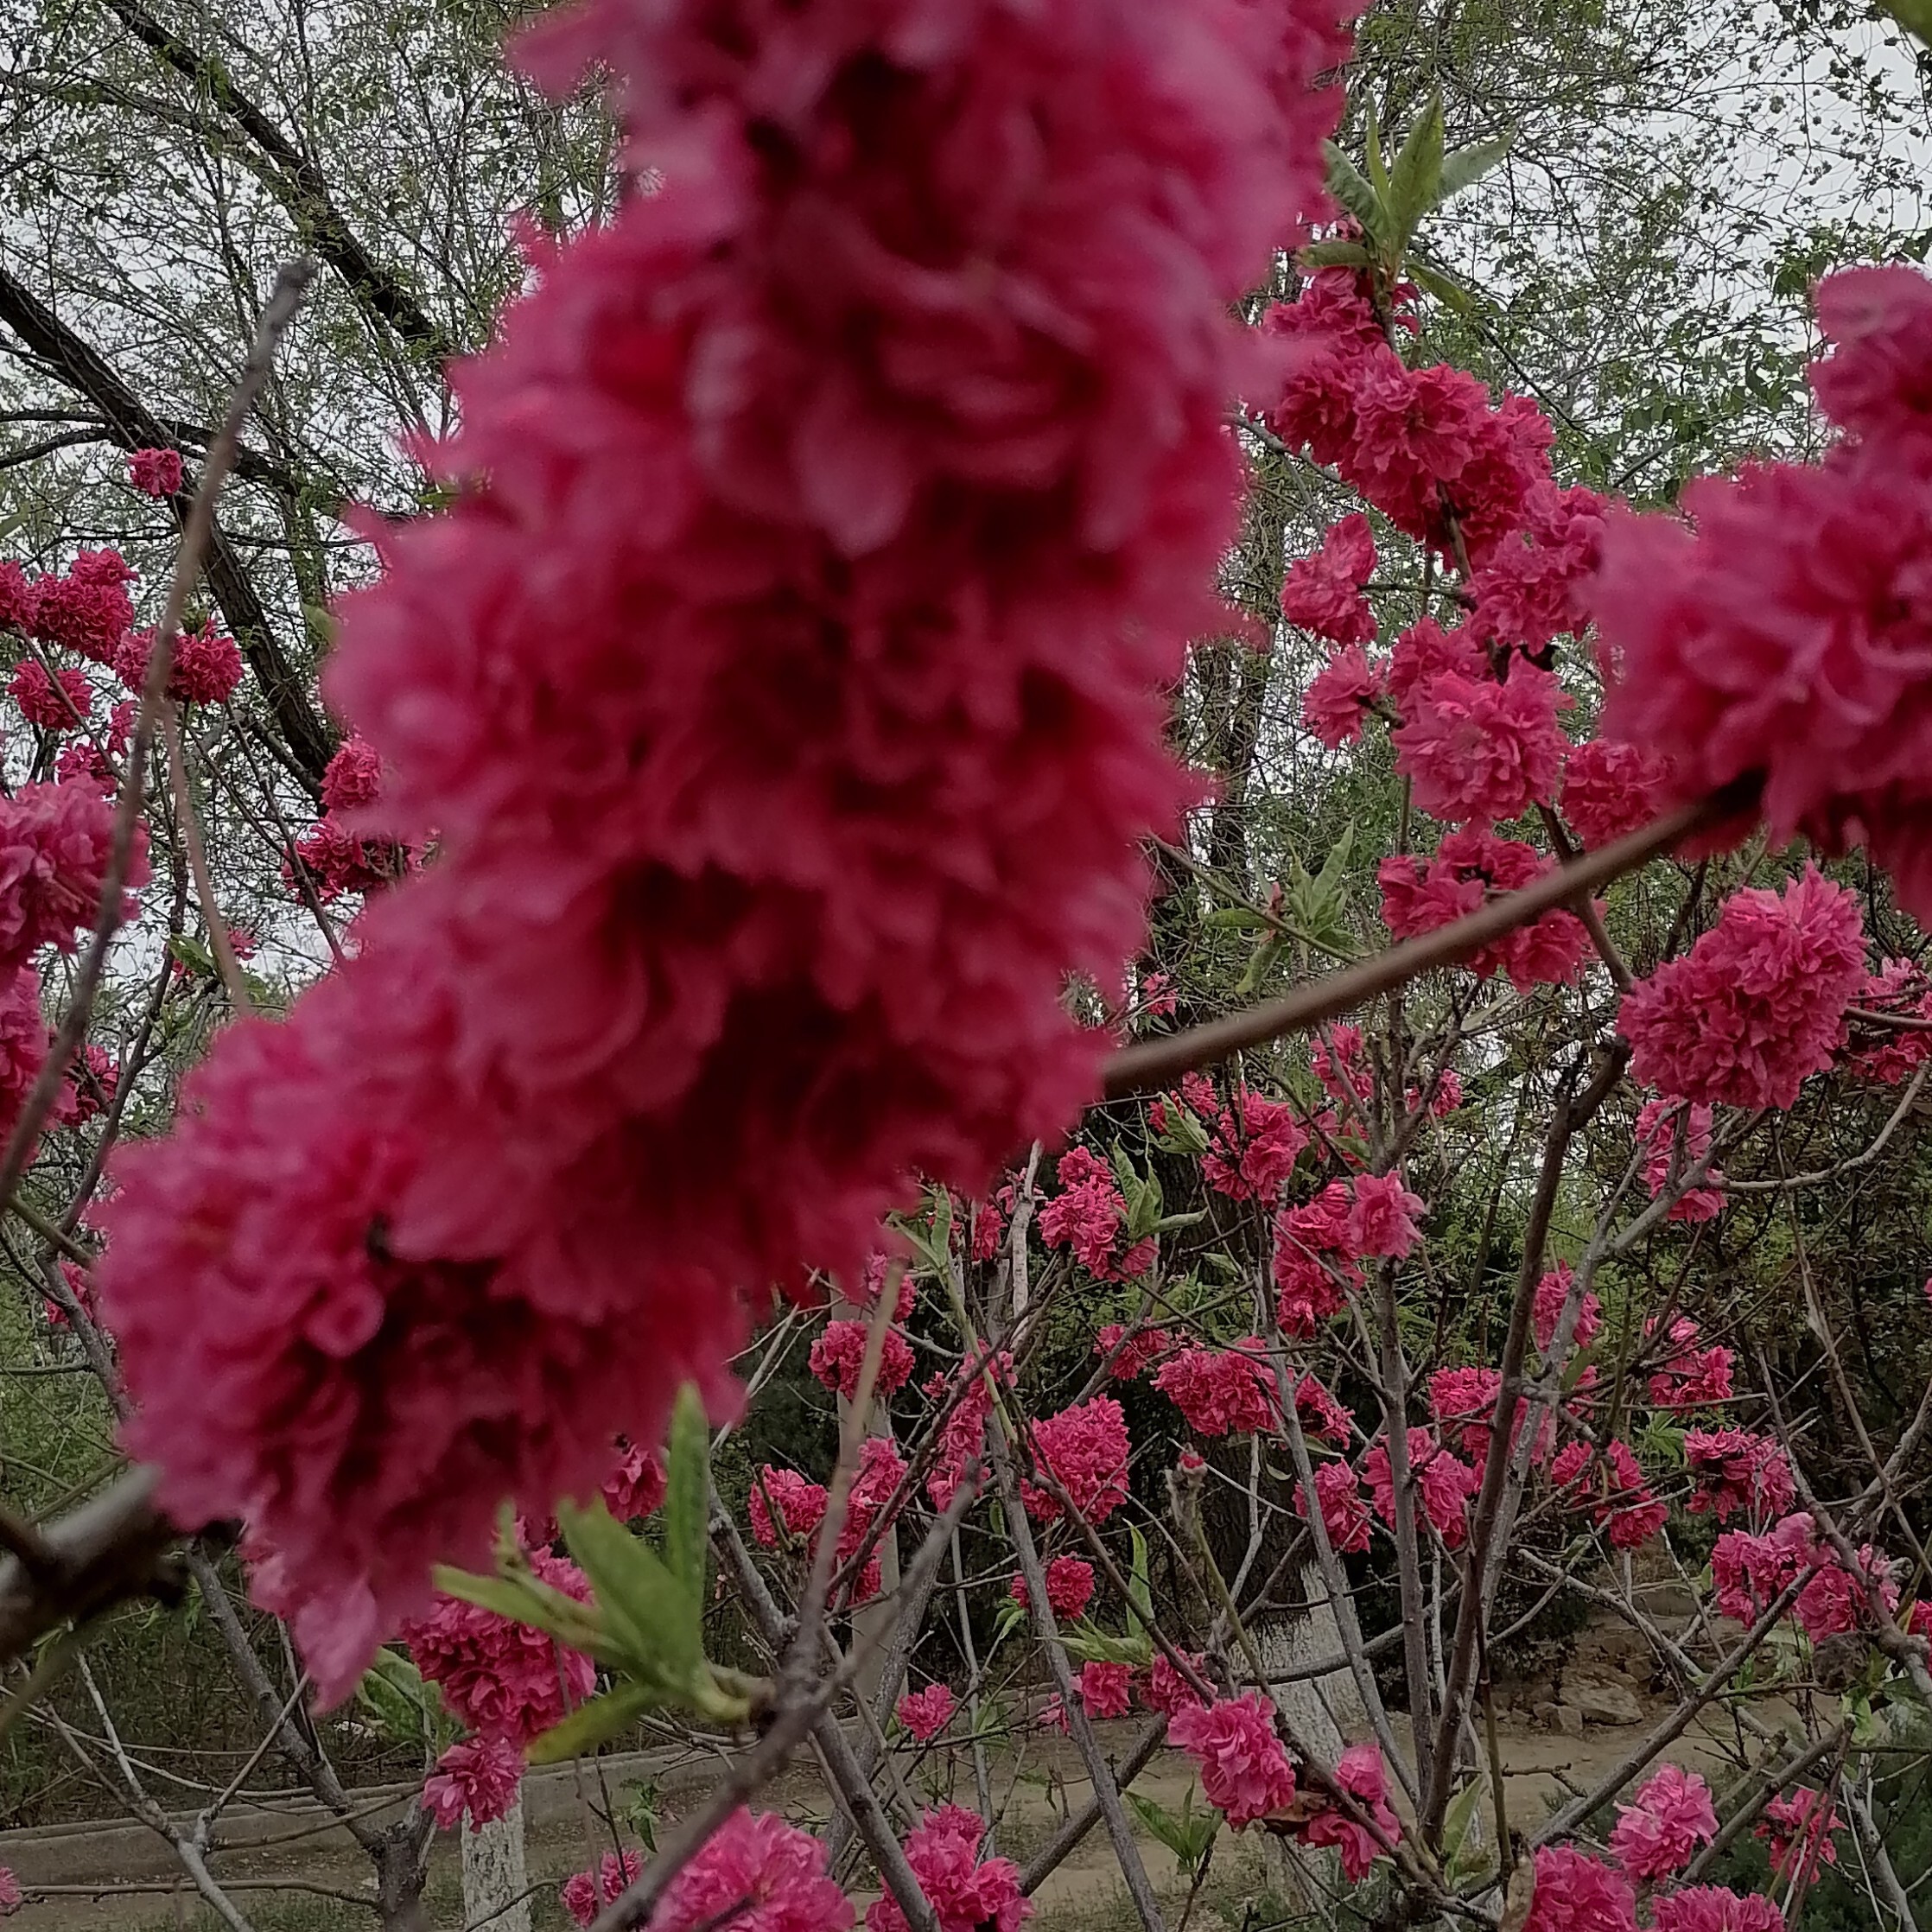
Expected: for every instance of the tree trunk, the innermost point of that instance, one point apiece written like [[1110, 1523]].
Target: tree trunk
[[494, 1872]]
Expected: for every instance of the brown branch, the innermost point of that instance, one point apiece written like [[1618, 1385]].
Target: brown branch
[[1156, 1064]]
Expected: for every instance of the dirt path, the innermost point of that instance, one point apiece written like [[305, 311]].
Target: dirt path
[[265, 1849]]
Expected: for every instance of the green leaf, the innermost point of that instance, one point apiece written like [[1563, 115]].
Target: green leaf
[[1168, 1223], [1446, 289], [393, 1692], [1352, 189], [1458, 1821], [1371, 148], [1092, 1645], [592, 1723], [1333, 255], [1467, 166], [1254, 975], [1415, 181], [1123, 1170], [1140, 1591], [1914, 16], [191, 954], [654, 1619], [688, 1491]]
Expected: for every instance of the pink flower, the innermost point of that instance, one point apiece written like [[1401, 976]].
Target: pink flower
[[1084, 1449], [926, 1713], [83, 760], [1157, 997], [1255, 1145], [1166, 1690], [478, 1777], [1090, 1218], [9, 1892], [155, 473], [1659, 1832], [1222, 1391], [1323, 593], [1613, 1488], [1138, 1352], [88, 611], [502, 1679], [1382, 1216], [1418, 895], [1344, 1513], [204, 668], [1106, 1689], [966, 1893], [1340, 1062], [336, 860], [1468, 1397], [1784, 630], [881, 1468], [1476, 749], [636, 1487], [1801, 1829], [963, 1438], [1750, 1571], [1360, 1772], [1835, 1601], [778, 785], [1445, 1484], [1610, 789], [799, 1502], [62, 702], [1758, 1003], [19, 597], [755, 1873], [1529, 590], [838, 1355], [1577, 1893], [1426, 650], [1658, 1124], [585, 1893], [55, 841], [1735, 1470], [1340, 694], [1553, 1293], [1322, 1416], [354, 776], [1689, 1378], [1245, 1772], [1715, 1909], [1069, 1588]]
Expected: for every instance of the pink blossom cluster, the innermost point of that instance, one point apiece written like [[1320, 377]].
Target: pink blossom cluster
[[1778, 631], [966, 1892], [963, 1435], [86, 611], [636, 1486], [1887, 1055], [1090, 1216], [585, 1894], [1420, 894], [1360, 1772], [1314, 1266], [1323, 593], [1751, 1570], [838, 1354], [1222, 1391], [1444, 1483], [477, 1778], [1660, 1126], [1339, 1497], [1609, 1484], [755, 1873], [1610, 789], [1689, 1376], [1132, 1353], [798, 1501], [503, 1678], [1758, 1003], [1106, 1689], [1578, 1893], [1166, 1690], [1253, 1144], [204, 667], [59, 702], [826, 526], [1552, 1296], [1476, 749], [1801, 1829], [155, 473], [1069, 1588], [1736, 1472], [1715, 1909], [1084, 1449], [925, 1714], [1245, 1772], [1658, 1834]]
